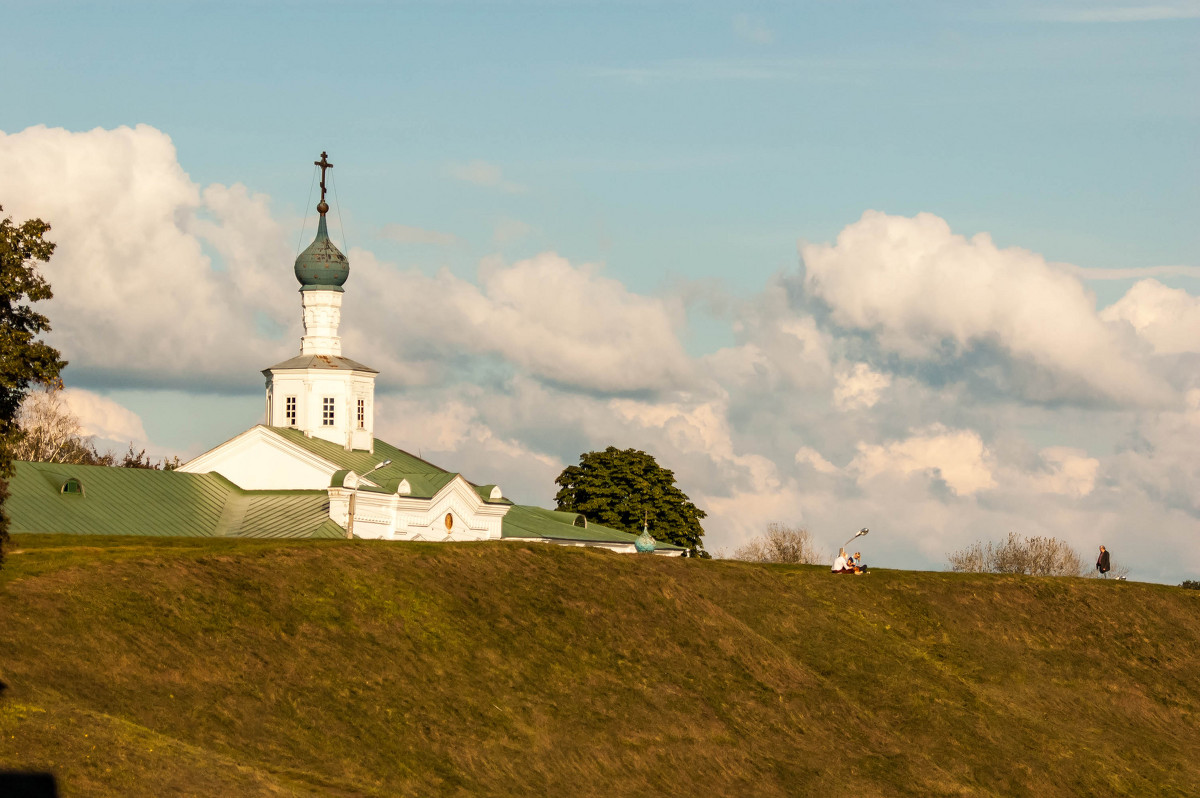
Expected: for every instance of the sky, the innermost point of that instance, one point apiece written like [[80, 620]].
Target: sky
[[931, 268]]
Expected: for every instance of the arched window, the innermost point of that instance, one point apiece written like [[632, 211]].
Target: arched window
[[72, 485]]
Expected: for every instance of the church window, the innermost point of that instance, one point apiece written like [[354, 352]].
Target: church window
[[289, 410], [327, 411], [362, 413]]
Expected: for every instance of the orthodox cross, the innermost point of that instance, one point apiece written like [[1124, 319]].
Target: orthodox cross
[[324, 164]]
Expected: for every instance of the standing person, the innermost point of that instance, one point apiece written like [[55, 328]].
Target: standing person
[[1104, 562]]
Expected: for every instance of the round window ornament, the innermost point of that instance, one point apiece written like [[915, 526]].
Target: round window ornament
[[449, 521]]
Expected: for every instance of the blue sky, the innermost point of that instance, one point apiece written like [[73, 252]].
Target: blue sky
[[681, 149]]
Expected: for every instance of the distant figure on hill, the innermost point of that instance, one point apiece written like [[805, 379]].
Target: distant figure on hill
[[1103, 562]]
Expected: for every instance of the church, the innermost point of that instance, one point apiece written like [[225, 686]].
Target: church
[[314, 469]]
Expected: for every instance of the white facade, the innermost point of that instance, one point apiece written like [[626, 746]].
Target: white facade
[[262, 459], [332, 404], [322, 315], [321, 393], [456, 513]]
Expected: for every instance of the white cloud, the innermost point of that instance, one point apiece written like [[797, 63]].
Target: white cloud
[[957, 457], [406, 234], [482, 173], [134, 289], [810, 456], [918, 286], [859, 387], [1070, 472], [103, 418], [557, 321], [1168, 318]]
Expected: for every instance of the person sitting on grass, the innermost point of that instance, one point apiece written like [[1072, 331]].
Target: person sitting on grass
[[842, 565], [857, 563]]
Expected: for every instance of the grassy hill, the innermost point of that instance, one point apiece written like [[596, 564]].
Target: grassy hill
[[165, 666]]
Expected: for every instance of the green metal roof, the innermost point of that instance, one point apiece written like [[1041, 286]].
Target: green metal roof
[[136, 501], [423, 477], [534, 522]]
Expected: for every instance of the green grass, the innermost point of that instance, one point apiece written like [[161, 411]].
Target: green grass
[[141, 666]]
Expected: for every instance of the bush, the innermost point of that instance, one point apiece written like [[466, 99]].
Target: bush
[[781, 543], [1190, 584], [1035, 556]]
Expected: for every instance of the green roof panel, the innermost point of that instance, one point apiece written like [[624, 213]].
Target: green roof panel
[[138, 501]]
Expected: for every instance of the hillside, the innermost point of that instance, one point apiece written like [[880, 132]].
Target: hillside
[[221, 667]]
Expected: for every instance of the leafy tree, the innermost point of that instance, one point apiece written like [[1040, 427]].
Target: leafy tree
[[781, 543], [621, 488], [1190, 584], [23, 360]]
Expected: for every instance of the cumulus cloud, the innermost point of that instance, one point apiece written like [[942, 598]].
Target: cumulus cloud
[[920, 288], [159, 280], [1167, 318], [859, 387], [103, 418], [134, 290], [560, 322], [957, 457], [810, 456], [1069, 472]]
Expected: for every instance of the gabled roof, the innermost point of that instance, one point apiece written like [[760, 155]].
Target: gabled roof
[[321, 362], [534, 522], [424, 478], [137, 501]]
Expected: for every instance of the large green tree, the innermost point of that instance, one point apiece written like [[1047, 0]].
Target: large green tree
[[24, 360], [621, 488]]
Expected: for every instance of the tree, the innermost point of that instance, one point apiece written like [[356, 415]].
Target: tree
[[781, 543], [1036, 556], [50, 432], [23, 359], [622, 488]]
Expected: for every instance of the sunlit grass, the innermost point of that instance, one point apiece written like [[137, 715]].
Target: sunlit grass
[[142, 666]]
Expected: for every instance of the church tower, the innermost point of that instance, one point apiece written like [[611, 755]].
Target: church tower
[[319, 392]]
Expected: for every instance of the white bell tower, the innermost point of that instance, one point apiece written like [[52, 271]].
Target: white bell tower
[[319, 392]]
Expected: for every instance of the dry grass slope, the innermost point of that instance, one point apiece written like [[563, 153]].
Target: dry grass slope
[[219, 667]]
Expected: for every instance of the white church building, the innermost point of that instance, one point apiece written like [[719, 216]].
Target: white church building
[[314, 469]]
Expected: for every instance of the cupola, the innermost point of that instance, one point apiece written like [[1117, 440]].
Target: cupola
[[322, 266]]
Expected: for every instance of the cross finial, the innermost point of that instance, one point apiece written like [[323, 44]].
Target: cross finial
[[324, 164]]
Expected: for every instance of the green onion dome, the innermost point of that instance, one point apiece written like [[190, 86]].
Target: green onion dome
[[644, 543], [322, 267]]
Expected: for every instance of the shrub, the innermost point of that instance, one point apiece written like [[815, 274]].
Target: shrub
[[781, 543], [1035, 556]]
